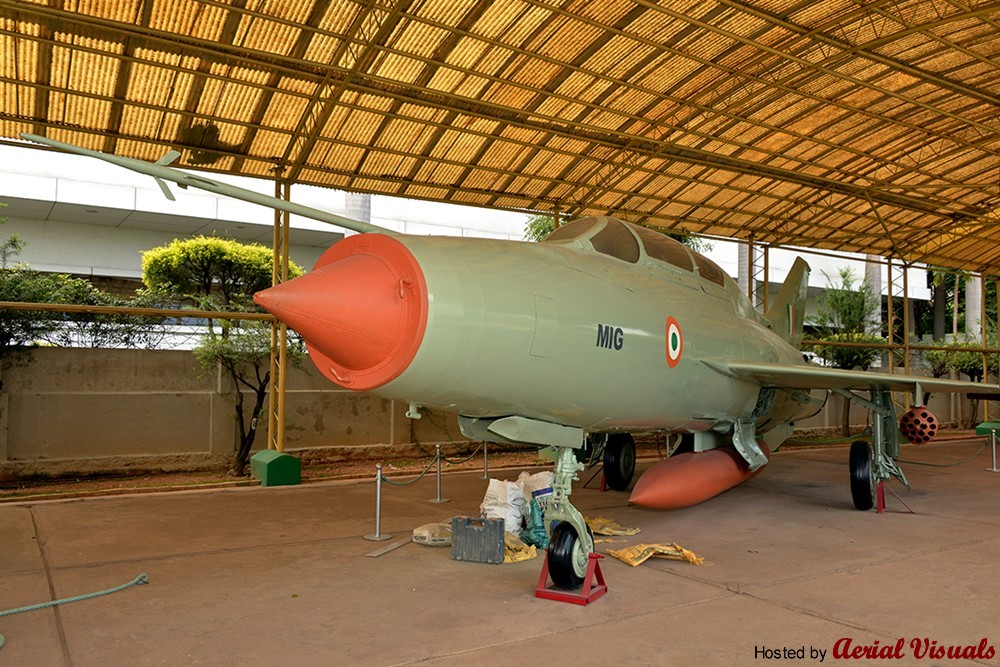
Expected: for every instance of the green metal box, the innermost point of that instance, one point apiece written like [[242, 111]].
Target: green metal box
[[986, 427], [274, 468]]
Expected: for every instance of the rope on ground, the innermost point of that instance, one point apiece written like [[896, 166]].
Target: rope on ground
[[138, 581]]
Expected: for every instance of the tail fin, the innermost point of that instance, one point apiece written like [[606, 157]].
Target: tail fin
[[787, 313]]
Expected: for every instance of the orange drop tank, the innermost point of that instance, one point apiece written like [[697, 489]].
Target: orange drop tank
[[687, 479]]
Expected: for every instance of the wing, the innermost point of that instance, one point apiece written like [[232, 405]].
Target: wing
[[810, 376]]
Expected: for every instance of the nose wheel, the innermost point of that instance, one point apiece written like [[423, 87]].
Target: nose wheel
[[567, 557], [570, 539]]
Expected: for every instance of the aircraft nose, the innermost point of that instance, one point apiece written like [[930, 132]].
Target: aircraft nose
[[362, 310]]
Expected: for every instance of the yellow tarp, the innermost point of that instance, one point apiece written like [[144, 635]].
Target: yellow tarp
[[640, 553], [515, 550], [602, 526]]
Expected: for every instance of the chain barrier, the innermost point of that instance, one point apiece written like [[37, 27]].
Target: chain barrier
[[438, 458], [944, 465], [380, 478], [864, 435], [412, 481], [466, 459], [443, 426]]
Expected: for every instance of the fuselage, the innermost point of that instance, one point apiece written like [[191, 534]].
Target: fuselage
[[601, 327]]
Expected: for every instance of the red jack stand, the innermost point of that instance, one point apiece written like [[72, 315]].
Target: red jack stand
[[604, 480], [587, 594], [881, 500]]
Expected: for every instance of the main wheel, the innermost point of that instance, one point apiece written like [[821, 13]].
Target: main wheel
[[619, 460], [861, 475], [567, 557]]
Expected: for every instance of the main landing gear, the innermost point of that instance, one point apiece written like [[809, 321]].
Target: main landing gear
[[616, 451], [872, 465]]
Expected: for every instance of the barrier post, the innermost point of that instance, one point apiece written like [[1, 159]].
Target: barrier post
[[990, 429], [993, 439], [486, 460], [439, 499], [378, 536]]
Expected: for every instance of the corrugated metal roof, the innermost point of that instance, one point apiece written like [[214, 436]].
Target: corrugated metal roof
[[869, 128]]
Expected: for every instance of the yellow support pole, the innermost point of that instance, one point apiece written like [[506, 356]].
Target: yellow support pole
[[906, 338], [891, 319], [983, 325], [279, 331], [996, 305], [767, 277]]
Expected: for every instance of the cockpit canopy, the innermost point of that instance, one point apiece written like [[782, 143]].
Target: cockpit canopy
[[629, 243]]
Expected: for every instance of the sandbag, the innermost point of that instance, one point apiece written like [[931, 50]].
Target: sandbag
[[505, 500], [537, 486], [433, 534]]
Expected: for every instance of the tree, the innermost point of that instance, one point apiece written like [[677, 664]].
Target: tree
[[113, 330], [11, 247], [538, 227], [210, 272], [244, 354], [964, 361], [20, 330], [843, 313], [222, 274]]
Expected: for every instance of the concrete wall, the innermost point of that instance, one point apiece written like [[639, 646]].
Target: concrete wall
[[80, 411]]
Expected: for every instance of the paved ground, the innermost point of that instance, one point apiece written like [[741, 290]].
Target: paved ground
[[279, 576]]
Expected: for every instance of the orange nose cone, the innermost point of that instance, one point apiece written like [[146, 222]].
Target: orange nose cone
[[362, 310]]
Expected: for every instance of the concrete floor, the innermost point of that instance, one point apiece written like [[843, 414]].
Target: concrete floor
[[279, 576]]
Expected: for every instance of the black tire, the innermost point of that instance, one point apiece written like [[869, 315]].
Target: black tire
[[619, 460], [861, 475], [562, 557]]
